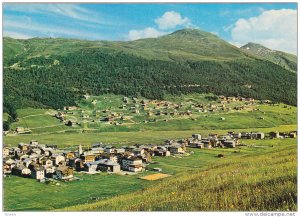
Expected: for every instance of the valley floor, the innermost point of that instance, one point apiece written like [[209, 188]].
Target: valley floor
[[261, 176]]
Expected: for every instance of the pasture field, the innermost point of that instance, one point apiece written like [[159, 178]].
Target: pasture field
[[47, 129], [73, 138], [95, 108], [259, 176], [38, 121], [21, 194]]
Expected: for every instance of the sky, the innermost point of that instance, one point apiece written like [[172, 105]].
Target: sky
[[272, 25]]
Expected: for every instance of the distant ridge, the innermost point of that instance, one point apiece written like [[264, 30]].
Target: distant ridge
[[286, 60]]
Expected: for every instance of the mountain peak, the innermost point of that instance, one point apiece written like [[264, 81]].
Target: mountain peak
[[191, 32], [184, 44], [254, 46]]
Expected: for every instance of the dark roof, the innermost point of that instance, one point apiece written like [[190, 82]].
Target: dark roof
[[38, 168], [106, 162], [91, 164], [133, 158]]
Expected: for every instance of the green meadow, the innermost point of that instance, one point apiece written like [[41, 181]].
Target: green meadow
[[143, 129], [21, 194], [259, 176]]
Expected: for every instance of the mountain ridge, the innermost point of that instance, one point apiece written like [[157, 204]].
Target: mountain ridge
[[198, 45], [168, 47], [285, 60], [37, 72]]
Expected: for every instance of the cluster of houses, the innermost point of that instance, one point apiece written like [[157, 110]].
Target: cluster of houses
[[232, 139], [150, 109], [41, 161], [283, 135], [134, 106], [158, 107], [229, 99]]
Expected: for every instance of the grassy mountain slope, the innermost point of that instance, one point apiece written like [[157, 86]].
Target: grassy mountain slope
[[256, 181], [18, 50], [286, 60], [186, 44], [55, 72]]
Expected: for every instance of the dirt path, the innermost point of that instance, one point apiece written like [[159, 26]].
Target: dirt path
[[32, 116]]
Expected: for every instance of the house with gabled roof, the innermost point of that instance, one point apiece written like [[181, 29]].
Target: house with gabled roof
[[33, 143], [109, 149], [23, 147], [176, 149], [46, 162], [88, 158], [57, 158], [6, 168], [196, 136], [50, 172], [10, 162], [38, 172], [230, 143], [133, 164], [91, 167], [97, 151], [47, 151], [64, 172], [6, 151], [138, 151]]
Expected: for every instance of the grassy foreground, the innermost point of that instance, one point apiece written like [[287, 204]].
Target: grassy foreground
[[261, 176], [264, 180], [18, 191], [269, 166], [21, 194]]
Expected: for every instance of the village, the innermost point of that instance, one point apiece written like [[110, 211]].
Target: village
[[98, 112], [150, 110], [48, 162]]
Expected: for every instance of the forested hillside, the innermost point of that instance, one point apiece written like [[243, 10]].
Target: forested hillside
[[56, 72]]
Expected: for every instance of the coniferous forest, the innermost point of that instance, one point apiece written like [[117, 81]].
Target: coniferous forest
[[73, 68], [95, 72]]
